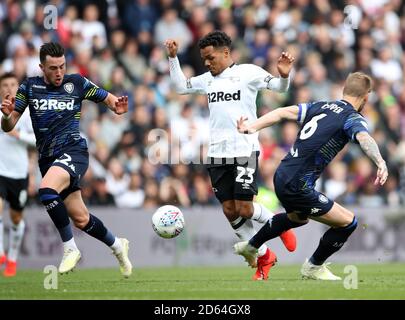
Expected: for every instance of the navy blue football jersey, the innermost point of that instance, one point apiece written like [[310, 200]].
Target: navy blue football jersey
[[326, 127], [55, 111]]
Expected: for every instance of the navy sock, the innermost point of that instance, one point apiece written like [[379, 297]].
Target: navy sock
[[96, 229], [57, 211], [332, 241], [273, 228]]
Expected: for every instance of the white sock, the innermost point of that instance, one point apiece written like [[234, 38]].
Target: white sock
[[16, 236], [116, 246], [1, 236], [70, 244], [260, 213], [246, 231]]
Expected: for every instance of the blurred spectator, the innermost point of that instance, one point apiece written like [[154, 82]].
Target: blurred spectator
[[100, 195], [336, 185], [134, 196], [171, 26]]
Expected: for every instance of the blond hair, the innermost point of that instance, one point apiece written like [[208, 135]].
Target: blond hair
[[357, 84]]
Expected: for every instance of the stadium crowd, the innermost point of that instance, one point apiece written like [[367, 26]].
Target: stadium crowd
[[154, 154]]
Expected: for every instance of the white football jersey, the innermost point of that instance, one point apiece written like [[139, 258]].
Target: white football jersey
[[231, 95], [14, 154]]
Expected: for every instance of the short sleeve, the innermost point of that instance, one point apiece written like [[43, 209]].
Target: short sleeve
[[93, 92], [303, 111], [21, 98], [354, 124]]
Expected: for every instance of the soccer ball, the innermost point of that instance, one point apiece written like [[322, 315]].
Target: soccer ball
[[168, 221]]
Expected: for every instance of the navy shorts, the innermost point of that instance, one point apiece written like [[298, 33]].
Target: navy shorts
[[14, 191], [307, 202], [234, 178], [73, 160]]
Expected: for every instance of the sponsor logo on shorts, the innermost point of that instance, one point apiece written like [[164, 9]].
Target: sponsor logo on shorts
[[246, 186], [315, 210]]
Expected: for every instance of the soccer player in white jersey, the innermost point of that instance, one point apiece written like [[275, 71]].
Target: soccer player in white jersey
[[13, 177], [233, 157]]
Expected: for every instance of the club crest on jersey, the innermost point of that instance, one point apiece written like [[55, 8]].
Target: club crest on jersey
[[69, 87], [234, 79]]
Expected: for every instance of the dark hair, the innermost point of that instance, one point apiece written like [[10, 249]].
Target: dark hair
[[216, 39], [52, 49], [7, 75]]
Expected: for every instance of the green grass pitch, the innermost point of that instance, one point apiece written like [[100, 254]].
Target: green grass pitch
[[378, 281]]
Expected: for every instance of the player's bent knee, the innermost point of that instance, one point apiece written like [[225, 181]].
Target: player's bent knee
[[245, 213], [16, 218], [228, 207], [298, 217], [348, 218], [80, 221], [47, 194]]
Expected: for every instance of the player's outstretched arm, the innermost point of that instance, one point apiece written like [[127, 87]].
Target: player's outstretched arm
[[370, 148], [181, 83], [267, 120], [118, 105], [284, 64], [171, 48], [10, 117]]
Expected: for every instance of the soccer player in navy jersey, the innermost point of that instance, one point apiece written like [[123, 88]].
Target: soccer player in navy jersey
[[54, 101], [326, 128]]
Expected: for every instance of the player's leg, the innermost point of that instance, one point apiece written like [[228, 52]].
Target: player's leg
[[222, 184], [3, 257], [15, 239], [245, 188], [259, 213], [265, 257], [246, 171], [17, 199], [342, 222], [55, 180], [275, 226], [94, 227], [223, 181]]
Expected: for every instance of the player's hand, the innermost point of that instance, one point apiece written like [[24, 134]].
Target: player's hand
[[285, 64], [171, 47], [121, 105], [8, 105], [382, 173], [242, 126]]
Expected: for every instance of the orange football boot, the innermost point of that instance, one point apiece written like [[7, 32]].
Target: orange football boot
[[264, 264], [3, 259], [11, 269], [289, 240]]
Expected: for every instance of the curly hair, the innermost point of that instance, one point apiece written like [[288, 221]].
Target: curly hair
[[216, 39]]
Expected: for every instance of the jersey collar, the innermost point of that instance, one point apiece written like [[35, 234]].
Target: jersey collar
[[346, 103]]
